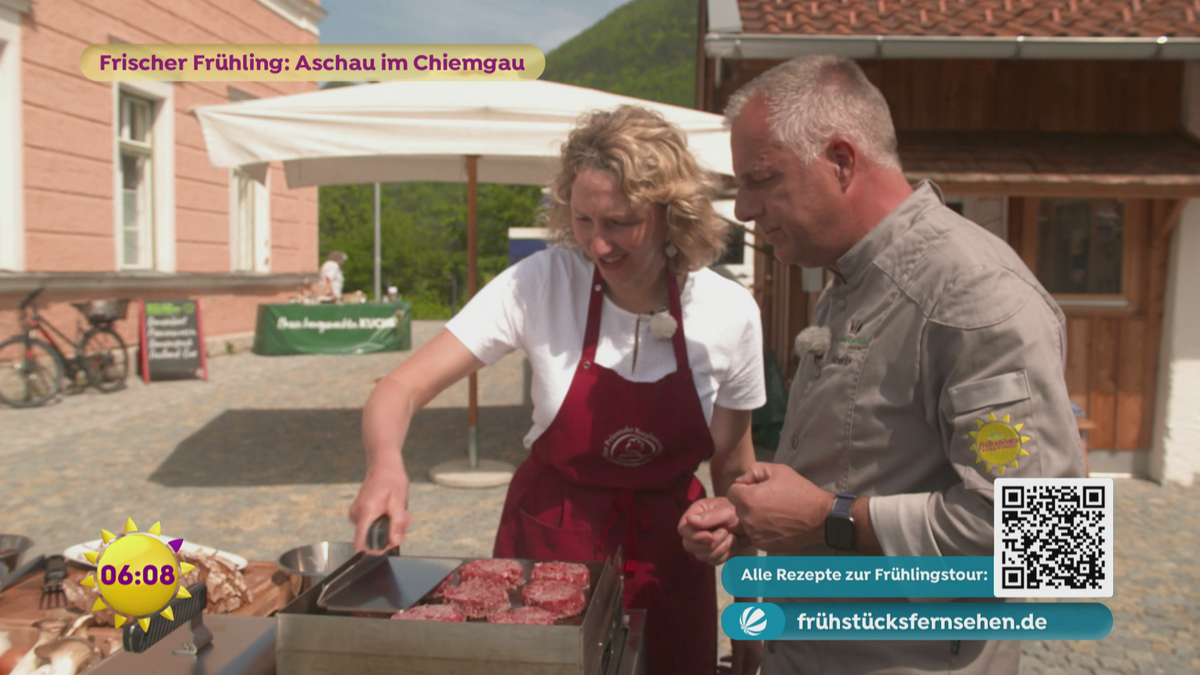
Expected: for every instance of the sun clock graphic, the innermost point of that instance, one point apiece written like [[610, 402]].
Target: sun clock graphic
[[137, 574], [998, 443]]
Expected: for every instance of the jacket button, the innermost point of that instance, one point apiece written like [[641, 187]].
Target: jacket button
[[587, 364], [840, 303], [795, 441], [816, 372]]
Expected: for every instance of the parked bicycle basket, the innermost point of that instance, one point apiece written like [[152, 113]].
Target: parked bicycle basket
[[103, 311]]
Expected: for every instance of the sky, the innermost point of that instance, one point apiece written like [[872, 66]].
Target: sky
[[542, 23]]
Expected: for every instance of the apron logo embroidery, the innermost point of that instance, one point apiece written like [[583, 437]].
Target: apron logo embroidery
[[632, 447], [998, 443]]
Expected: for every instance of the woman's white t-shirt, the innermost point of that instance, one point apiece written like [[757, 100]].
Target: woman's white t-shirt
[[540, 306]]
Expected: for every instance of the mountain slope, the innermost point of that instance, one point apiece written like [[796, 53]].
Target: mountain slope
[[646, 49]]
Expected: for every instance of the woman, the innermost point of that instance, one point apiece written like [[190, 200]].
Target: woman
[[644, 365]]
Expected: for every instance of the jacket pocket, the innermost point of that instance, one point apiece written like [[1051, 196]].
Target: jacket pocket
[[993, 392]]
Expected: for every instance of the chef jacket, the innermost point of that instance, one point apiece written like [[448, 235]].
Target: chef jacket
[[938, 332]]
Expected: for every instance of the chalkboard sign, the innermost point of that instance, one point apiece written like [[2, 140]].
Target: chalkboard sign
[[172, 339]]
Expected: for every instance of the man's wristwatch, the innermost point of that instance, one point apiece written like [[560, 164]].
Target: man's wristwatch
[[839, 524]]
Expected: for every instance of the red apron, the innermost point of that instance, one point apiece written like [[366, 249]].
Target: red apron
[[616, 468]]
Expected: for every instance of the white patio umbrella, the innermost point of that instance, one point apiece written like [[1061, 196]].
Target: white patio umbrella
[[494, 132]]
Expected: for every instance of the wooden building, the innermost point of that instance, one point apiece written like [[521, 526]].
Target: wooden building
[[1068, 128]]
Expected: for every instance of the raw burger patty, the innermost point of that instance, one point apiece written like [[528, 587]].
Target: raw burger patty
[[430, 613], [557, 597], [478, 598], [507, 573], [572, 573], [438, 591], [524, 616]]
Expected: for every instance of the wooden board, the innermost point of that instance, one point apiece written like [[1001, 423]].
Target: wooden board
[[1130, 385], [1103, 408], [1155, 292], [1079, 355], [268, 585], [1097, 96]]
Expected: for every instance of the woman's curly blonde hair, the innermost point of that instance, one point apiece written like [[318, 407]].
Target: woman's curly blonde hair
[[649, 159]]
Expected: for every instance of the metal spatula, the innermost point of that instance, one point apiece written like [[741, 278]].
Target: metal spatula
[[362, 563]]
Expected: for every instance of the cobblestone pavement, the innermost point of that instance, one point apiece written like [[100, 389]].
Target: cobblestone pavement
[[266, 455]]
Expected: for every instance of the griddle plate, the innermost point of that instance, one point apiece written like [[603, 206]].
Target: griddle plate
[[392, 587]]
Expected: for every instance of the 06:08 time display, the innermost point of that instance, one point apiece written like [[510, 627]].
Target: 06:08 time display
[[149, 574]]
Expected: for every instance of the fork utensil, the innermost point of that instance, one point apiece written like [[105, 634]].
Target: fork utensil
[[52, 583]]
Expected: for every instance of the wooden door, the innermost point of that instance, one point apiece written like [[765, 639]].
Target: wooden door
[[1112, 337]]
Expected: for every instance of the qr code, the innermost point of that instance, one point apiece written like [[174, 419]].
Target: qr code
[[1054, 538]]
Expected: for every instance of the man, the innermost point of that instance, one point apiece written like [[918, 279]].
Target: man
[[934, 327], [331, 277]]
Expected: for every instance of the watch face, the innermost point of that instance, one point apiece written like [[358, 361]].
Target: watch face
[[839, 532]]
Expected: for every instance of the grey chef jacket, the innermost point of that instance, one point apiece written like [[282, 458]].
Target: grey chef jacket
[[937, 327]]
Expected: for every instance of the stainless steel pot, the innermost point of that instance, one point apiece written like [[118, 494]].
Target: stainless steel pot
[[306, 565]]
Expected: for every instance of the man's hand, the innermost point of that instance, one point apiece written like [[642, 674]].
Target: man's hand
[[710, 530], [779, 509]]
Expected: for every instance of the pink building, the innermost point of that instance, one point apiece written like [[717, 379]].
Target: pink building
[[106, 190]]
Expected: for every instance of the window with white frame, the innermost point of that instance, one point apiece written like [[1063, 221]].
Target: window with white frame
[[241, 244], [249, 215], [12, 254], [136, 168], [249, 211]]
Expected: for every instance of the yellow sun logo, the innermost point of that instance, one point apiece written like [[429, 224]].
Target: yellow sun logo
[[998, 443], [137, 574]]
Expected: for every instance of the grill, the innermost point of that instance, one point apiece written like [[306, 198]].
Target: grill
[[311, 640]]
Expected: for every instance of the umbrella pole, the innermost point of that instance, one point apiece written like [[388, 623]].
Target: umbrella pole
[[473, 472], [472, 286], [377, 244]]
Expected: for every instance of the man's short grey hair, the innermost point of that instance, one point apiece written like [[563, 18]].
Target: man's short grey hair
[[814, 98]]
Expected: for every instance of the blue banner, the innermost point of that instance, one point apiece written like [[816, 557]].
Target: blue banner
[[859, 577], [917, 621]]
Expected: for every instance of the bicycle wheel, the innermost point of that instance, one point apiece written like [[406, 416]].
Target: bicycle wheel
[[30, 372], [106, 359]]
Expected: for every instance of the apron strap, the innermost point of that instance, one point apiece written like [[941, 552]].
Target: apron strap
[[592, 333], [678, 340], [595, 300]]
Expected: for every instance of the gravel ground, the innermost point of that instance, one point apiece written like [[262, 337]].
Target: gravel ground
[[266, 455]]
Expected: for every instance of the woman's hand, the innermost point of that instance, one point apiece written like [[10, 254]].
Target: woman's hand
[[385, 422], [709, 529], [383, 492]]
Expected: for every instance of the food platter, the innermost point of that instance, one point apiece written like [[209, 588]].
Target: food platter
[[75, 553]]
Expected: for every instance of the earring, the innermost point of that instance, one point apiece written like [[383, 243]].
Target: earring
[[671, 250]]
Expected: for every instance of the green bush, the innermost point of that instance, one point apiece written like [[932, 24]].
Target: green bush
[[429, 307]]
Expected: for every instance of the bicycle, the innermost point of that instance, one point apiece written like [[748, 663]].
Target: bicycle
[[32, 370]]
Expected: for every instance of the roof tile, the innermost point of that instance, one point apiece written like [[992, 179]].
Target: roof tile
[[977, 18]]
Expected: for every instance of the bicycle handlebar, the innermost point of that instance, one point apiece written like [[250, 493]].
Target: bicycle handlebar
[[29, 298]]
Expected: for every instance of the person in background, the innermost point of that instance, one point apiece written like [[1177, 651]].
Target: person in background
[[934, 365], [645, 364], [331, 275]]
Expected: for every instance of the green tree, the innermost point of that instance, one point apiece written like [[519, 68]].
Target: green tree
[[423, 235], [645, 49]]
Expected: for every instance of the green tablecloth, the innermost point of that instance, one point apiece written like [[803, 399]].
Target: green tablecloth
[[361, 328]]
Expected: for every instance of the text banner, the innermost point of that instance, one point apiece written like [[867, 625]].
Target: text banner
[[917, 621]]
